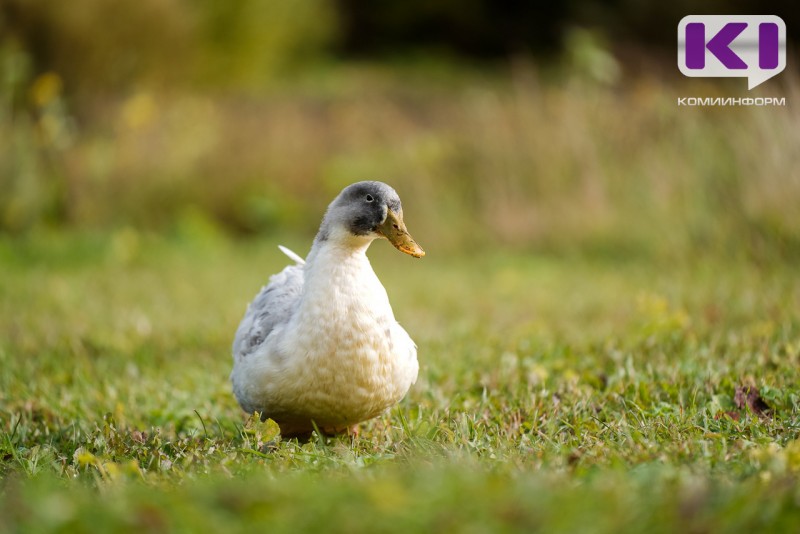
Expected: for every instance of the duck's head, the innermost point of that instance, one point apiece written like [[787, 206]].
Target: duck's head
[[365, 211]]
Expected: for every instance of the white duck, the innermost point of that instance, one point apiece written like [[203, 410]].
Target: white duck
[[320, 344]]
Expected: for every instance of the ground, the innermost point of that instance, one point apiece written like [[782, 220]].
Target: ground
[[557, 392]]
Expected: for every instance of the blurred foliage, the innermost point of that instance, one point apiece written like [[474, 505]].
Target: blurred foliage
[[478, 28], [496, 28], [235, 118], [100, 47]]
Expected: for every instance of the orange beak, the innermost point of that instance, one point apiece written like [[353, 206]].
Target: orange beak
[[394, 229]]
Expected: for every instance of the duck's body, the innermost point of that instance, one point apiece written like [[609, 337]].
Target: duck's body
[[320, 344]]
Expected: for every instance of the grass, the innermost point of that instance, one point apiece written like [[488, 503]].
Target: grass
[[557, 392]]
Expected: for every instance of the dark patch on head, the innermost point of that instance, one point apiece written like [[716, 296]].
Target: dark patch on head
[[366, 223]]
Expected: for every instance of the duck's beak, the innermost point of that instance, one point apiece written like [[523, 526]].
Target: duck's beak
[[395, 231]]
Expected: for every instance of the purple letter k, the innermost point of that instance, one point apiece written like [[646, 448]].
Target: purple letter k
[[719, 45]]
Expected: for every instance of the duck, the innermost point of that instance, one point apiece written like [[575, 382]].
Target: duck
[[319, 347]]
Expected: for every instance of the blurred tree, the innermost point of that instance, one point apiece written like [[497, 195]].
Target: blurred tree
[[99, 47], [247, 43], [491, 28], [480, 28], [654, 24]]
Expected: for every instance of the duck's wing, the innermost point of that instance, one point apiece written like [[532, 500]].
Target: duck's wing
[[273, 306]]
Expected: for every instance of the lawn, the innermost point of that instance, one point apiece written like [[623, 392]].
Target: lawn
[[558, 392]]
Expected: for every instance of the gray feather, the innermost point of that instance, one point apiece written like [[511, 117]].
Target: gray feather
[[273, 306]]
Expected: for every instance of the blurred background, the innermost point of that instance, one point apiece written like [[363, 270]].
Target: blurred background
[[529, 126]]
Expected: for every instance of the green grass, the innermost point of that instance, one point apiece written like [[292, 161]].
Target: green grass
[[557, 392]]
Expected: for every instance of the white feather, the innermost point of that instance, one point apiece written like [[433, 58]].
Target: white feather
[[292, 255]]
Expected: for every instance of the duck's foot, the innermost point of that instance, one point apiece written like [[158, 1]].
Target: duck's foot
[[301, 437], [352, 431], [270, 446], [304, 436]]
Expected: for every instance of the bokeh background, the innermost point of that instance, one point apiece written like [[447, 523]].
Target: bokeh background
[[521, 125]]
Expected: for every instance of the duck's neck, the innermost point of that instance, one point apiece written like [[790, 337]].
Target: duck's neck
[[337, 246], [338, 276]]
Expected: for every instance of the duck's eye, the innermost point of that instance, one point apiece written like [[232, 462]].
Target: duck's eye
[[369, 198]]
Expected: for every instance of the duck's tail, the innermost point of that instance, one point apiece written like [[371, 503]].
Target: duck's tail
[[292, 255]]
